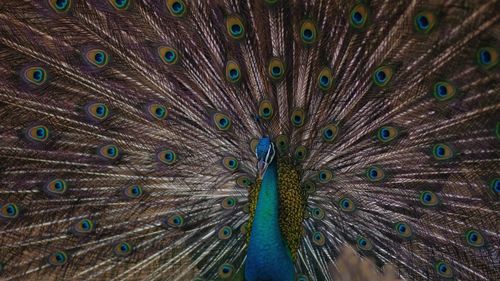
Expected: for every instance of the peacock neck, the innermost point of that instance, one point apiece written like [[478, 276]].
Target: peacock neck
[[268, 258]]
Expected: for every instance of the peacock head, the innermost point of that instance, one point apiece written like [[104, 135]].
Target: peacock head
[[265, 153]]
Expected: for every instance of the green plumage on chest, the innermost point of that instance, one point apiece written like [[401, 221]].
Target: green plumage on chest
[[292, 204]]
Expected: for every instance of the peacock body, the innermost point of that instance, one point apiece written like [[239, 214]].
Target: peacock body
[[248, 140]]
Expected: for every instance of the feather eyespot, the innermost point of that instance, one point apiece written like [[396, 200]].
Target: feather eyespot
[[166, 156], [230, 163], [325, 79], [58, 258], [308, 32], [487, 57], [235, 27], [375, 173], [364, 244], [282, 144], [347, 205], [442, 151], [38, 133], [244, 181], [233, 73], [36, 75], [175, 220], [266, 111], [425, 21], [428, 198], [359, 16], [474, 238], [300, 153], [444, 91], [168, 55], [122, 249], [253, 145], [329, 132], [222, 121], [226, 271], [383, 75], [298, 117], [225, 233], [318, 213], [387, 133], [56, 187], [276, 69], [309, 187], [133, 191], [318, 238], [109, 151], [403, 230], [443, 269], [97, 57], [84, 226], [324, 176], [158, 111], [177, 8], [9, 211], [98, 111], [120, 5], [495, 186], [60, 6], [229, 203]]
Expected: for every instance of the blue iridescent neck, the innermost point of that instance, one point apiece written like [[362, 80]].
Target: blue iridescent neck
[[268, 258]]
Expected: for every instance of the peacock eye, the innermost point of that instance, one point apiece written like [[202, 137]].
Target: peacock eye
[[375, 173], [222, 121], [298, 117], [347, 205], [58, 258], [442, 151], [9, 211], [97, 111], [474, 238], [428, 198], [175, 220], [56, 187], [387, 133], [122, 249], [60, 6], [109, 151], [97, 57], [226, 271], [443, 269], [38, 133], [225, 233], [425, 21], [177, 8], [229, 203], [233, 73], [318, 238], [133, 191], [168, 55], [276, 69], [359, 16], [383, 75], [120, 5], [166, 156], [35, 75], [308, 32], [364, 244], [403, 230], [235, 27], [487, 57]]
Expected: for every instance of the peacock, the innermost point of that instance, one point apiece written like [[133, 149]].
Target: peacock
[[249, 140]]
